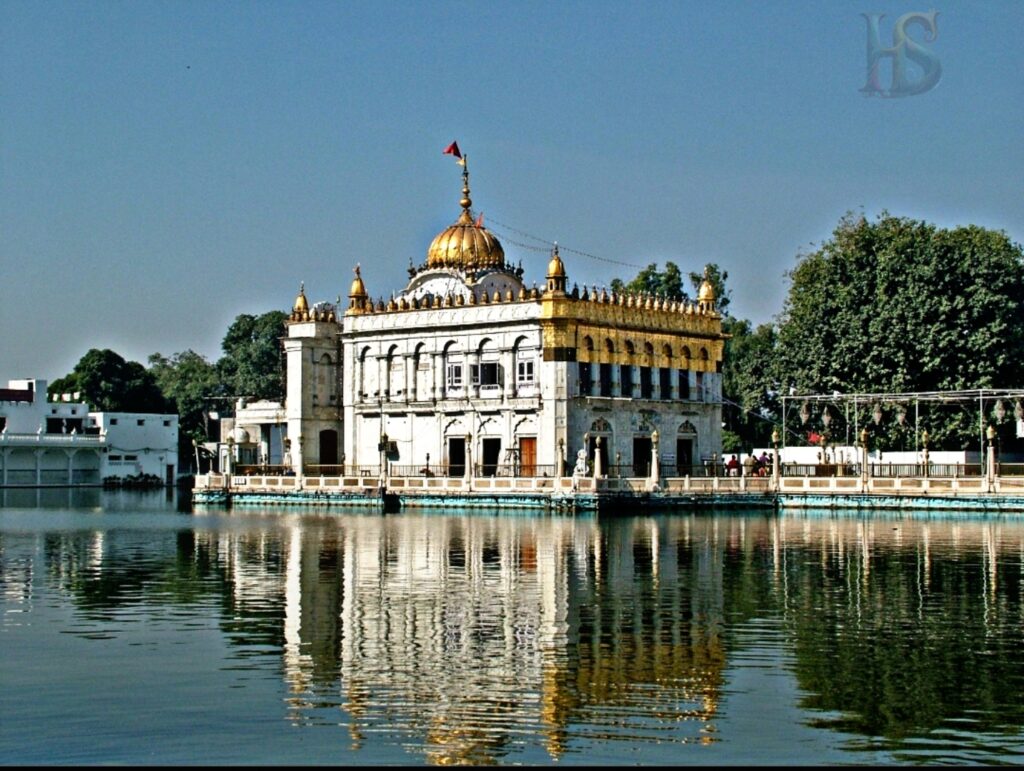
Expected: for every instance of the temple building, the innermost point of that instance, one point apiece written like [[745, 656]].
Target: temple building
[[467, 371]]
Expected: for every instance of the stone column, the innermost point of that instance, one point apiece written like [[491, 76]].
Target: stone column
[[410, 377], [435, 376], [509, 389], [597, 457], [655, 479], [561, 459], [990, 460], [469, 458]]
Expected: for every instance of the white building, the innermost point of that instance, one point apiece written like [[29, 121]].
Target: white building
[[255, 436], [467, 370], [62, 442]]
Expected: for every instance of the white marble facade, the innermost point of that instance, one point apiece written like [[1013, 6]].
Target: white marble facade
[[468, 370]]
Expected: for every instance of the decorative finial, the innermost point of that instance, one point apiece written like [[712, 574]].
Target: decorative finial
[[466, 201]]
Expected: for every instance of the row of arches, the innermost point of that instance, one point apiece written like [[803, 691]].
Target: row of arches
[[427, 372], [648, 348]]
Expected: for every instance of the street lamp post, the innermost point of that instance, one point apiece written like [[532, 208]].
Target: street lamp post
[[991, 465], [864, 454], [775, 458], [655, 470], [924, 444]]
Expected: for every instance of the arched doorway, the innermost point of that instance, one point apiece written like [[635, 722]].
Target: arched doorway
[[686, 448]]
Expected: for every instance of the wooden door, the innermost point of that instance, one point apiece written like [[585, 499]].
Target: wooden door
[[527, 456]]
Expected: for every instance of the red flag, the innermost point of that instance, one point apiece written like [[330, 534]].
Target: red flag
[[480, 220], [452, 149]]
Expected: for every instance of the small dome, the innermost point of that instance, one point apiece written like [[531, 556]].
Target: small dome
[[358, 288], [706, 292], [556, 268], [301, 304]]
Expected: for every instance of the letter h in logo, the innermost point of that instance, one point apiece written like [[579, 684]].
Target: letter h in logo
[[903, 47]]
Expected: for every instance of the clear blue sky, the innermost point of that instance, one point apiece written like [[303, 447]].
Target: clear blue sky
[[167, 166]]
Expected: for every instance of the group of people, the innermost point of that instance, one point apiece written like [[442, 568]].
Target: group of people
[[752, 466]]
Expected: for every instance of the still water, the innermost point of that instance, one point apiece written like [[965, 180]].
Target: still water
[[133, 631]]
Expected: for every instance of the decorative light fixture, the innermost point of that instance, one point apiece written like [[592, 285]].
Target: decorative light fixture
[[1000, 410], [805, 412], [901, 414], [876, 414], [826, 417]]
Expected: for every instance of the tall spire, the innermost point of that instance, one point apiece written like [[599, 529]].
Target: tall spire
[[466, 201]]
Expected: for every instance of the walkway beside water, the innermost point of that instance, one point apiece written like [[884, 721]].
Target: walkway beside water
[[964, 487]]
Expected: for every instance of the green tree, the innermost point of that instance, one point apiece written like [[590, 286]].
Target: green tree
[[751, 405], [667, 283], [189, 381], [108, 383], [252, 364], [898, 305]]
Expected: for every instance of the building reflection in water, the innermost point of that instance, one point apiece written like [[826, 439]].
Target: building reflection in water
[[474, 637], [474, 634]]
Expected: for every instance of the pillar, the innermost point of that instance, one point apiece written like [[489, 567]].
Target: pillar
[[597, 457], [655, 468]]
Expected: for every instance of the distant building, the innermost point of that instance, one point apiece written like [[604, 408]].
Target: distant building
[[256, 435], [62, 442], [467, 370]]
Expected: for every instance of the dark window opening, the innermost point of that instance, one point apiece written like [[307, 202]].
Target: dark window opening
[[646, 386], [684, 384], [586, 378], [626, 378], [665, 382], [488, 374], [606, 380]]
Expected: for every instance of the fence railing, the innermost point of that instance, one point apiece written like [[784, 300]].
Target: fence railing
[[251, 470], [630, 471], [515, 470], [340, 470]]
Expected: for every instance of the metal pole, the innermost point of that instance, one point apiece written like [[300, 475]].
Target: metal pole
[[783, 421], [916, 404], [981, 426]]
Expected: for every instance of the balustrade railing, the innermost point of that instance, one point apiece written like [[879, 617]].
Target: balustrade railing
[[631, 471], [341, 470], [515, 470]]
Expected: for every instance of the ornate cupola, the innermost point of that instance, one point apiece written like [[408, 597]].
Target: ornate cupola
[[357, 296], [466, 245], [706, 295], [300, 309], [556, 274]]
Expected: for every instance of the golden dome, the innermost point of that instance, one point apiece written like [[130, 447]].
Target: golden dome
[[706, 292], [466, 244], [301, 304], [358, 288], [556, 268]]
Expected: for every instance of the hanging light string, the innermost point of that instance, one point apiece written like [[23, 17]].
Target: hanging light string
[[548, 245]]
